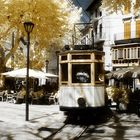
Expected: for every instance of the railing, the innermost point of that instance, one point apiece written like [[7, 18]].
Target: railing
[[127, 35], [89, 41]]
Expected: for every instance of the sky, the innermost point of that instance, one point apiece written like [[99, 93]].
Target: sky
[[84, 4]]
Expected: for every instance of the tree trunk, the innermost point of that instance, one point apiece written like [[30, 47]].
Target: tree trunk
[[2, 67]]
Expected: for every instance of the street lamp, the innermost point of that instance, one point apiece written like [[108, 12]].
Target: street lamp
[[28, 28]]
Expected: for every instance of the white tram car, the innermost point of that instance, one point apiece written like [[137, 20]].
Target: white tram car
[[81, 80]]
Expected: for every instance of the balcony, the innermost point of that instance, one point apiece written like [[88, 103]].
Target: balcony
[[98, 40], [125, 38], [125, 63]]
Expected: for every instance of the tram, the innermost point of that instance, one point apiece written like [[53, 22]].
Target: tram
[[81, 81]]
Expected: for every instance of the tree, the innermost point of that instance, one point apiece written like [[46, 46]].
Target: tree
[[121, 5], [51, 21]]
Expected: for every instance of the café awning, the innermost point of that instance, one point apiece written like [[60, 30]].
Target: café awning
[[120, 73], [21, 73]]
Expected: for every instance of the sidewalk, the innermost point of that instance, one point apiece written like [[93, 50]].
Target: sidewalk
[[13, 125]]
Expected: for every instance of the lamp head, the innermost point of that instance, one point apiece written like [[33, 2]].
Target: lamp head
[[28, 26]]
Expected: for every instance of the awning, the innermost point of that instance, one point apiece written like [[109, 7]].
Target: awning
[[121, 73], [21, 73]]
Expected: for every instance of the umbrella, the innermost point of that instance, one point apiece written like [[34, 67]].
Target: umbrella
[[21, 73], [136, 72], [121, 73], [109, 75]]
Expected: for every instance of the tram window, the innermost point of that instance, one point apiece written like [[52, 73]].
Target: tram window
[[99, 72], [80, 56], [81, 73], [98, 57], [64, 57], [64, 72]]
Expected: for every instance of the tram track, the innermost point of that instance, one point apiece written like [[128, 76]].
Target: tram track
[[81, 133], [71, 129], [68, 131]]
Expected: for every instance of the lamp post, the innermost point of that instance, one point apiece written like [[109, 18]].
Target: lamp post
[[28, 28], [12, 57]]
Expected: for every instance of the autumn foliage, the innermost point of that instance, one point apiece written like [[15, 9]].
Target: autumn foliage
[[121, 5], [51, 23]]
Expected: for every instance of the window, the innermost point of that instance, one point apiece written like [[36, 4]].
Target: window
[[64, 57], [137, 28], [64, 72], [96, 30], [98, 57], [127, 30], [135, 53], [132, 53], [81, 73], [138, 52], [125, 53], [99, 72], [120, 53], [115, 55], [128, 53], [80, 56]]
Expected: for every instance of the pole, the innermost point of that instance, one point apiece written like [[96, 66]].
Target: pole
[[93, 41], [27, 78], [28, 28], [12, 57]]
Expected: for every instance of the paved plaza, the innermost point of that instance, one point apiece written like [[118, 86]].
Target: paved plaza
[[14, 127]]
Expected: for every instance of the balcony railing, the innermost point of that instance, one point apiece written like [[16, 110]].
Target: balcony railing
[[127, 35], [125, 62], [89, 40]]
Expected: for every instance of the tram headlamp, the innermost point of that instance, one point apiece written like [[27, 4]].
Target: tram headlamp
[[81, 102], [101, 77]]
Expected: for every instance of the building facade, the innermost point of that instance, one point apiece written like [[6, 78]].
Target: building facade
[[101, 31], [126, 48], [118, 35]]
